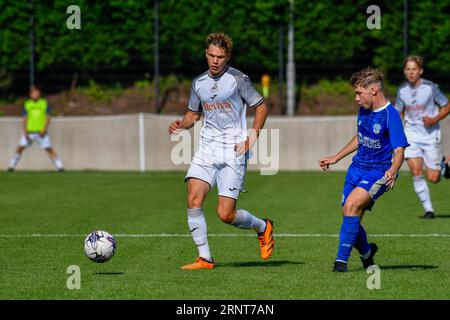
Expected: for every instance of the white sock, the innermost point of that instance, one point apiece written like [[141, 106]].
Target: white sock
[[14, 160], [422, 191], [58, 163], [246, 220], [198, 229]]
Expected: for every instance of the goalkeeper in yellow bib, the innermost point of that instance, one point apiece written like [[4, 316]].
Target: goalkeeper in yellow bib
[[36, 120]]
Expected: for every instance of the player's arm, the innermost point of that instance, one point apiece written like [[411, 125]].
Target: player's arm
[[261, 112], [191, 116], [397, 161], [47, 122], [189, 119], [441, 100], [399, 143], [24, 122], [400, 105], [443, 112], [349, 148], [24, 125]]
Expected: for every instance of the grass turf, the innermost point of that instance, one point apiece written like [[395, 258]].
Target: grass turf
[[75, 203]]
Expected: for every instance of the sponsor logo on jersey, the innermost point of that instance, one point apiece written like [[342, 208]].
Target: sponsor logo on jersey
[[376, 128], [369, 142], [417, 107], [217, 105]]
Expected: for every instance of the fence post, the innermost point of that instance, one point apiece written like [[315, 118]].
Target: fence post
[[141, 142]]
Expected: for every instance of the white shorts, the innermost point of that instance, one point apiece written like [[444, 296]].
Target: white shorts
[[431, 153], [44, 142], [227, 173]]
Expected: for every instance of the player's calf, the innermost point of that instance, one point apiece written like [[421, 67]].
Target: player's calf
[[434, 177]]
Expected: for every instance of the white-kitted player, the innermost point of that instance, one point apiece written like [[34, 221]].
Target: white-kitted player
[[423, 106], [222, 94]]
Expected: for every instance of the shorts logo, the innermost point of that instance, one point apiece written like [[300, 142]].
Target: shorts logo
[[359, 122], [365, 182], [376, 128]]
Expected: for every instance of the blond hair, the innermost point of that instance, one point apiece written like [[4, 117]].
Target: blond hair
[[416, 59], [366, 77], [221, 40]]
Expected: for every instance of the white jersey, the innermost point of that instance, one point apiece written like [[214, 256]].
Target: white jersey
[[418, 102], [223, 100]]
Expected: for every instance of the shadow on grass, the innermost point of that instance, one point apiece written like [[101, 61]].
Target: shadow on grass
[[108, 273], [442, 216], [275, 263], [408, 266]]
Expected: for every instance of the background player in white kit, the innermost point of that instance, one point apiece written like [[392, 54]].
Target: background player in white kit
[[423, 106], [222, 94]]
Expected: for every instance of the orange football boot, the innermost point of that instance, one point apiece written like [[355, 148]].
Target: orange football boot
[[266, 241], [200, 263]]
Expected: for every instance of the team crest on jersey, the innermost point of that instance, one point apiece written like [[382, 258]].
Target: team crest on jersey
[[376, 128], [214, 87]]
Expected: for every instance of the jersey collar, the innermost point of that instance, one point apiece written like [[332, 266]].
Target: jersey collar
[[221, 74], [383, 107]]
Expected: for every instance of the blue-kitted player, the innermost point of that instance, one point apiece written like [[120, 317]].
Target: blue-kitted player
[[380, 144]]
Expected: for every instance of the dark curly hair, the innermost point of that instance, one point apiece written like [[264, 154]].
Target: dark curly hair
[[221, 40]]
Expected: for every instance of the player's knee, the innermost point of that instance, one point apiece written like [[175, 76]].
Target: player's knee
[[416, 172], [225, 215], [194, 200], [351, 208]]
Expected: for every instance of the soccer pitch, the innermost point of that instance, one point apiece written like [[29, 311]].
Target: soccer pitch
[[45, 217]]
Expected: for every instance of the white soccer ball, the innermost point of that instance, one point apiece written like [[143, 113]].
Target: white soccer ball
[[99, 246]]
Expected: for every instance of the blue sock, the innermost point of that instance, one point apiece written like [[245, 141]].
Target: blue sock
[[361, 241], [347, 237]]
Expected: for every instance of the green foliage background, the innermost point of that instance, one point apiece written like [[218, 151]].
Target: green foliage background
[[118, 34]]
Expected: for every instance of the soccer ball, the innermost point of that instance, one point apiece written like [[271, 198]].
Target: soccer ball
[[99, 246]]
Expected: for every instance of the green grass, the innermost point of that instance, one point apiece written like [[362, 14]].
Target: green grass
[[154, 203]]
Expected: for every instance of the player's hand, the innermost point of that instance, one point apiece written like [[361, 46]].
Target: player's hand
[[42, 133], [428, 122], [390, 176], [447, 159], [326, 162], [174, 126], [244, 146], [28, 137]]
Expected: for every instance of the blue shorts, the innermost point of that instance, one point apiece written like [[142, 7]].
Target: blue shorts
[[371, 180]]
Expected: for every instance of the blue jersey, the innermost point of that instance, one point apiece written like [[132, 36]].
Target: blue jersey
[[380, 132]]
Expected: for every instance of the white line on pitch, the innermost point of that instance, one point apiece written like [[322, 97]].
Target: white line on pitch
[[181, 235]]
